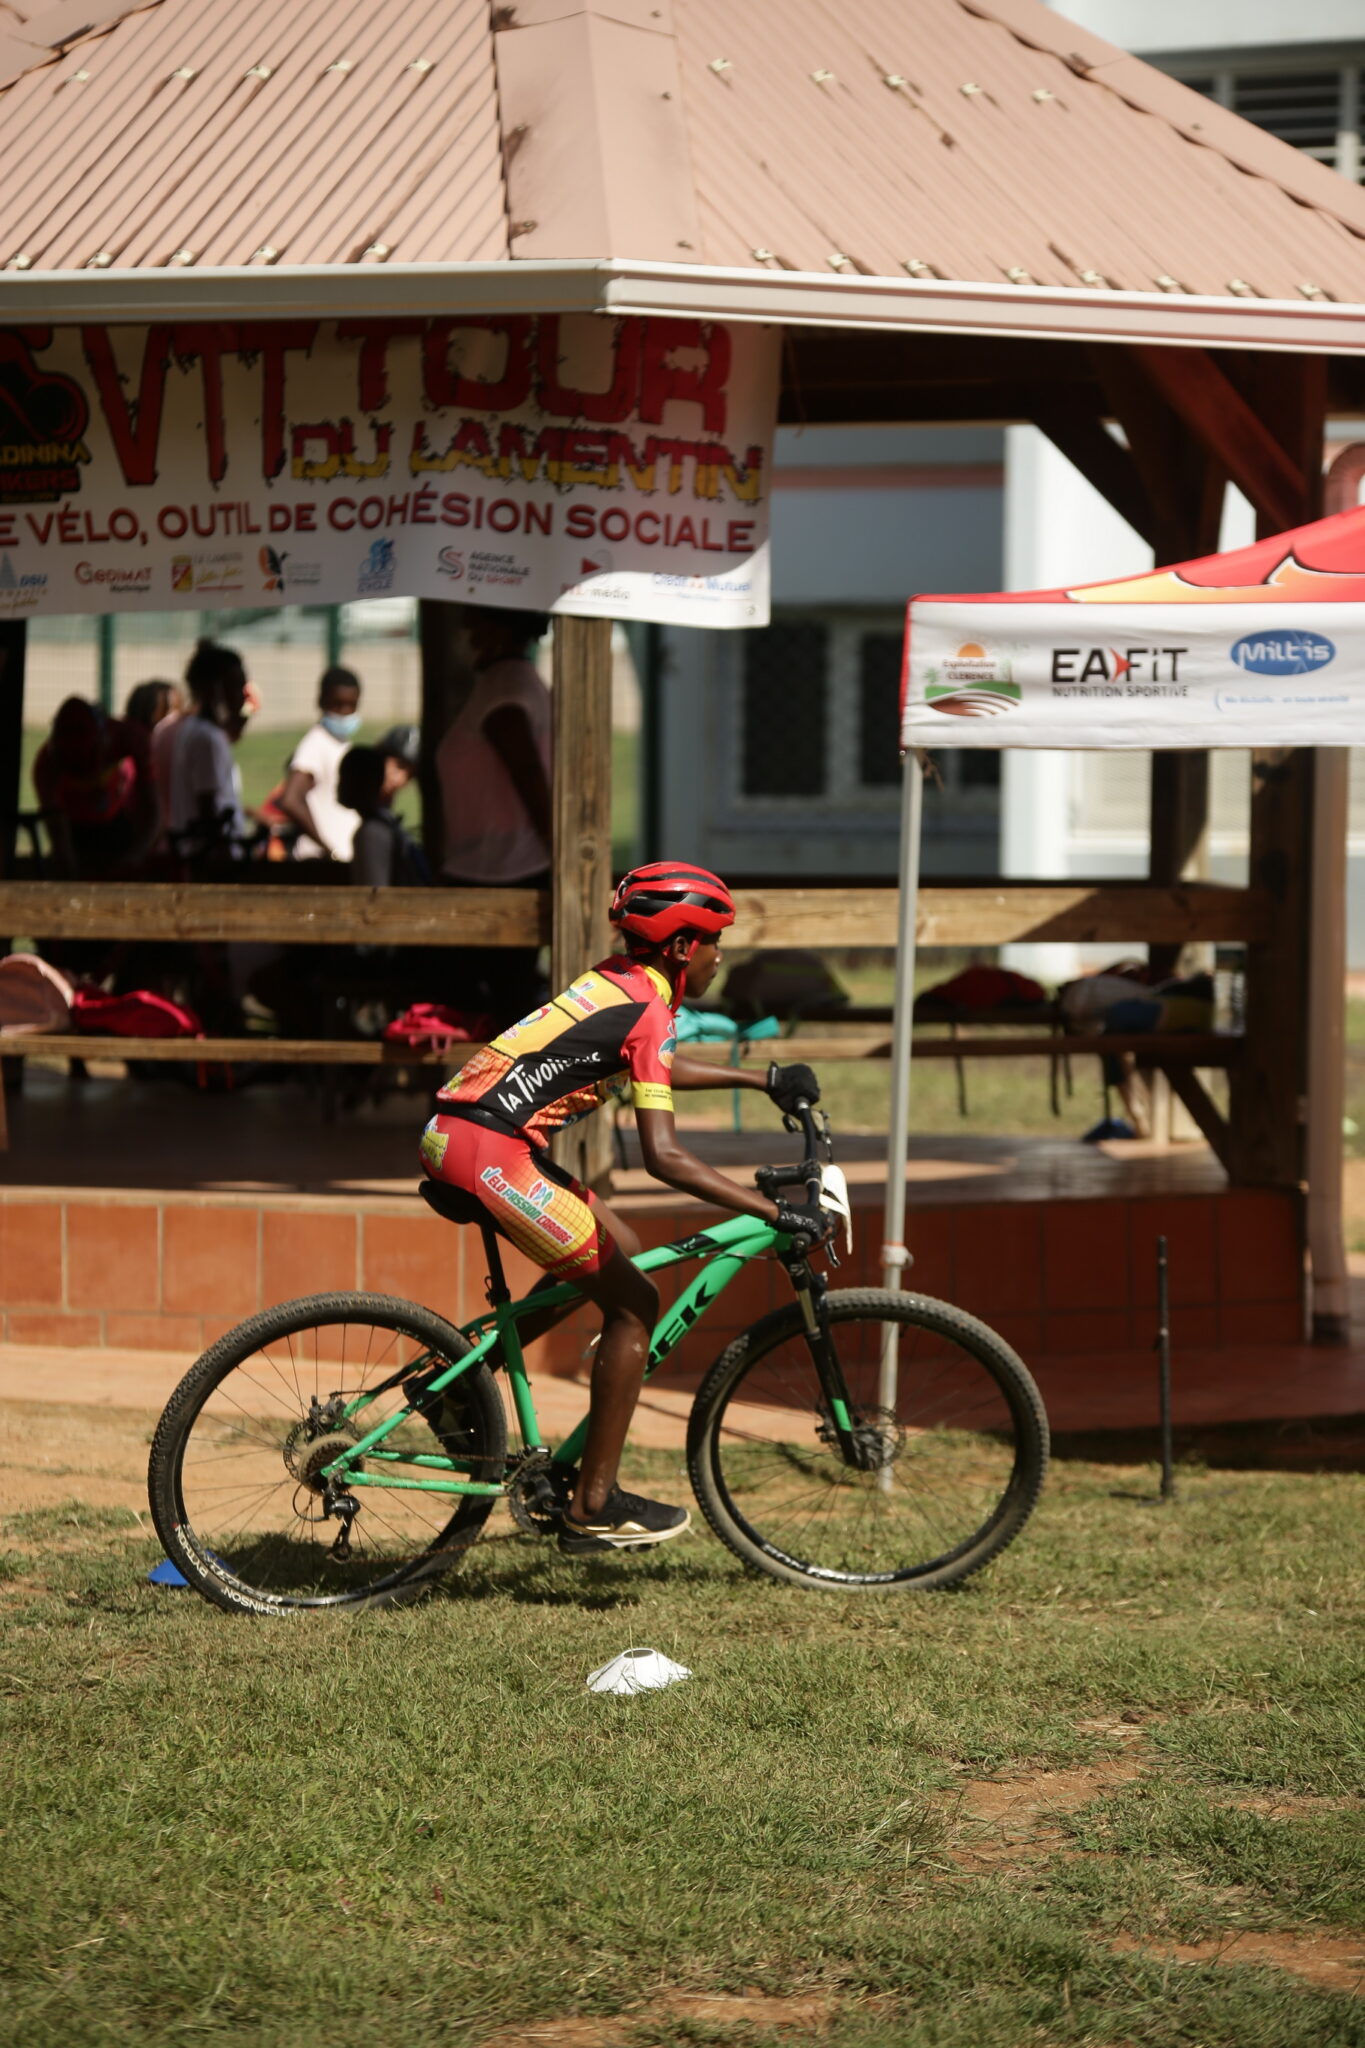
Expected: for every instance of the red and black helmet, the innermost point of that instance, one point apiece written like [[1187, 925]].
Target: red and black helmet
[[653, 904]]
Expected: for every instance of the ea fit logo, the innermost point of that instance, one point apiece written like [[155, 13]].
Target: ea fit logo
[[1286, 652], [1084, 666]]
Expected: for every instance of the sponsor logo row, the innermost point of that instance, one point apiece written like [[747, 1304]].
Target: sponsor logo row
[[976, 683]]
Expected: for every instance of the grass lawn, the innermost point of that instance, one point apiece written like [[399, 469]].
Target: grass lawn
[[1108, 1794]]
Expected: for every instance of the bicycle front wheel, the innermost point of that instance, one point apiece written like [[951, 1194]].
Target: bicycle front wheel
[[949, 1451], [235, 1478]]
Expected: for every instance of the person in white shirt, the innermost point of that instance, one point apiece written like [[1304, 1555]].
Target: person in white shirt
[[204, 789], [309, 797], [493, 767]]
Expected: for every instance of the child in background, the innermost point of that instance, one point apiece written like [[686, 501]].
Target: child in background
[[309, 798]]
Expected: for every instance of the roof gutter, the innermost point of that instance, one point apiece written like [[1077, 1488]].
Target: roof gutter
[[618, 285]]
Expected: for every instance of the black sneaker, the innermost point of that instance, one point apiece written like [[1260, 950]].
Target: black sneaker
[[625, 1521]]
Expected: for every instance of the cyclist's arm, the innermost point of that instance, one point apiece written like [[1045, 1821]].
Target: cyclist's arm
[[690, 1072], [676, 1167]]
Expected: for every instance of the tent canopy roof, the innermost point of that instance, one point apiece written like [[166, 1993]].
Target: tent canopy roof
[[1322, 563], [990, 144], [1261, 646]]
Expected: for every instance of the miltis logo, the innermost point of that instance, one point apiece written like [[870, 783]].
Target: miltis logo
[[450, 562], [1284, 652], [971, 684]]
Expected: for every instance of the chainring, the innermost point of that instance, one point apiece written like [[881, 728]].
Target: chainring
[[538, 1495]]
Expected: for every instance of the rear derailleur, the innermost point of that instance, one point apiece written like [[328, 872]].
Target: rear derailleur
[[336, 1502]]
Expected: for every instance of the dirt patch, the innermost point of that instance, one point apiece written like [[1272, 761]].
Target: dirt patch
[[1335, 1962], [1003, 1821], [57, 1452], [810, 2011]]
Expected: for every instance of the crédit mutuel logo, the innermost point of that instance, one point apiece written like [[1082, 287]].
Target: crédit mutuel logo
[[972, 683]]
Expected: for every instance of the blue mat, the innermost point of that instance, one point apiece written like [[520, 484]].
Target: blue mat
[[166, 1574]]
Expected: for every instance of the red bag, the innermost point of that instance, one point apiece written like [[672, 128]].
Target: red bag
[[984, 988], [433, 1026], [137, 1015]]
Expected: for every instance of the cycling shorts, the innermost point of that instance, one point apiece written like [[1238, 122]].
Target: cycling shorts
[[544, 1211]]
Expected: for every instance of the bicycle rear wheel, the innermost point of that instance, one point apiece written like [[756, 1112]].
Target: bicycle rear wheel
[[234, 1478], [941, 1480]]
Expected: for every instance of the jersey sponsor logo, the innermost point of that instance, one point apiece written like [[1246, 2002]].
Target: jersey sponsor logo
[[525, 1205], [433, 1146], [524, 1024], [524, 1083], [585, 995]]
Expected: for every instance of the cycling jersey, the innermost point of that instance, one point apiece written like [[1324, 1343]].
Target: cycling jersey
[[558, 1065]]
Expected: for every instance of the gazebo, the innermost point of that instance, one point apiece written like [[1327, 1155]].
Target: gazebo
[[972, 210]]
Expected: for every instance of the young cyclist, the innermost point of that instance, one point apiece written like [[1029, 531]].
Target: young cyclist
[[614, 1024]]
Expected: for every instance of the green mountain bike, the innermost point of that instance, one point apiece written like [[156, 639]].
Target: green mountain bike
[[345, 1450]]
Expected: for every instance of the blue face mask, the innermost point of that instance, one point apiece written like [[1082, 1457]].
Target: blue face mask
[[342, 727]]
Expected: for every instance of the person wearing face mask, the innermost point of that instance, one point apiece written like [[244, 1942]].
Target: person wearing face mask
[[309, 798]]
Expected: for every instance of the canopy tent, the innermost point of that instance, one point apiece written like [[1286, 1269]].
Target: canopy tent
[[1261, 647]]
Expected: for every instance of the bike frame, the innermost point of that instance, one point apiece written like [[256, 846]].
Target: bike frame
[[725, 1247]]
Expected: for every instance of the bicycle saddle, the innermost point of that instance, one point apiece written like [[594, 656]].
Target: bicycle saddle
[[453, 1203]]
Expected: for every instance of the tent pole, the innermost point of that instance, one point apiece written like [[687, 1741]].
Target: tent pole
[[894, 1255]]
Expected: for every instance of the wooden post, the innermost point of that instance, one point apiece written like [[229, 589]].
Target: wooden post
[[13, 649], [1266, 1144], [581, 786], [447, 680]]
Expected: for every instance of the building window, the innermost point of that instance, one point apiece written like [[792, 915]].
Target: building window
[[879, 706], [786, 690], [1313, 109]]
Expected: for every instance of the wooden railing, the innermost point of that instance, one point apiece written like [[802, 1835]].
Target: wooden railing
[[985, 914]]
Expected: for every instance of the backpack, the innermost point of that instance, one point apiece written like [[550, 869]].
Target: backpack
[[137, 1015]]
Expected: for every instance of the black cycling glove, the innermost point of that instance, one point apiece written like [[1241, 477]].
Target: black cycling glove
[[789, 1085], [808, 1220]]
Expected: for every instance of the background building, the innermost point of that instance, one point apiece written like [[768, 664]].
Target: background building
[[777, 757]]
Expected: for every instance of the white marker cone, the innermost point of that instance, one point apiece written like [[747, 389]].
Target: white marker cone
[[637, 1671]]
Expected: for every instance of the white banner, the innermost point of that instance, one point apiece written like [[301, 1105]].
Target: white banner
[[1136, 675], [609, 468]]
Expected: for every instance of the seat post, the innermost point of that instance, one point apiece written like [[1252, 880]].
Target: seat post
[[498, 1289]]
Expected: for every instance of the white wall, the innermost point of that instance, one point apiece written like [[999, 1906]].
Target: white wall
[[1170, 26]]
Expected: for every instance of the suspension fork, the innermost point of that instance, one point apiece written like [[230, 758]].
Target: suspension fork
[[809, 1289]]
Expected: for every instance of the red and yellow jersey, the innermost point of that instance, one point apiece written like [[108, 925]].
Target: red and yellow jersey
[[611, 1026]]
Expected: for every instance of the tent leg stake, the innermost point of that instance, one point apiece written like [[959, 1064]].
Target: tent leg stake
[[1163, 1350]]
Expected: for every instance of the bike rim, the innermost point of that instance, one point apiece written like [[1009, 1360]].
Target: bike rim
[[943, 1459], [248, 1484]]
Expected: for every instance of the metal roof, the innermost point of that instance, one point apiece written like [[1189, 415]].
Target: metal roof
[[212, 132], [965, 149], [992, 140]]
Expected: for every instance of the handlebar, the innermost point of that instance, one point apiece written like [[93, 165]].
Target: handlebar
[[768, 1179]]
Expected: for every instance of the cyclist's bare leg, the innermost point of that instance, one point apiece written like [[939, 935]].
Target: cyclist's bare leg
[[629, 1302]]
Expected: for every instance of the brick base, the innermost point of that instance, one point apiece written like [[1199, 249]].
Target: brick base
[[1061, 1279]]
